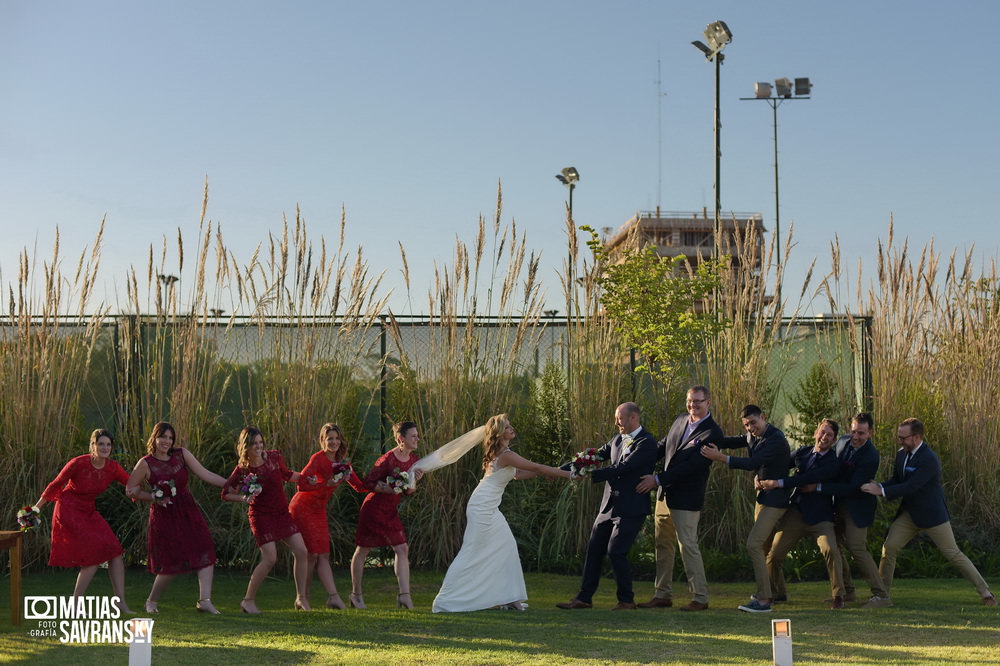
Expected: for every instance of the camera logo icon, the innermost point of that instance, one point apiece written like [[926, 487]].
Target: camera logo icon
[[41, 608]]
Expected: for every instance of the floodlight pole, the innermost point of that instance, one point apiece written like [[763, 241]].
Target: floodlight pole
[[775, 102], [717, 250]]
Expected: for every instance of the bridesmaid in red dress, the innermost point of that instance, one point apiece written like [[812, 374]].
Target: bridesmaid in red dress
[[178, 540], [80, 536], [308, 506], [378, 522], [269, 517]]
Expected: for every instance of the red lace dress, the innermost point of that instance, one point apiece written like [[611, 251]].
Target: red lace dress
[[378, 522], [80, 536], [269, 517], [308, 506], [179, 539]]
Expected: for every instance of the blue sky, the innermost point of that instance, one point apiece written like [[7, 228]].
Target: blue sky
[[408, 114]]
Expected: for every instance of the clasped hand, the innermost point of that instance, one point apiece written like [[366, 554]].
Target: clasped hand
[[711, 451]]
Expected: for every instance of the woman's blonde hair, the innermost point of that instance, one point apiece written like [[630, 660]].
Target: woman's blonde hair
[[158, 431], [247, 435], [493, 441], [324, 433], [96, 435]]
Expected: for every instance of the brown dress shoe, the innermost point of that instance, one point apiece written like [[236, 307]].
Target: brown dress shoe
[[625, 605], [837, 603], [695, 606], [574, 603], [990, 601], [849, 597], [656, 602]]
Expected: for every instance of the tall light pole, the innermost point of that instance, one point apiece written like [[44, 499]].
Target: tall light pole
[[569, 177], [717, 35], [783, 91]]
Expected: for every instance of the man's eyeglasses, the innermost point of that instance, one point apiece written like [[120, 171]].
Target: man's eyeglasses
[[903, 438], [693, 401]]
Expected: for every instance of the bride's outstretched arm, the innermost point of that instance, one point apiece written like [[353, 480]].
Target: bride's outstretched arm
[[527, 469]]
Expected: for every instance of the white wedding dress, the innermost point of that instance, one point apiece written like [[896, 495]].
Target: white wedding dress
[[487, 570]]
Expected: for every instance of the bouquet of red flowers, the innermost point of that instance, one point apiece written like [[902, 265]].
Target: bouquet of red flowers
[[341, 470], [399, 480], [250, 486], [164, 490], [585, 462], [28, 518]]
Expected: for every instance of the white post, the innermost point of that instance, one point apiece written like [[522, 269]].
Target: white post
[[781, 639], [140, 650]]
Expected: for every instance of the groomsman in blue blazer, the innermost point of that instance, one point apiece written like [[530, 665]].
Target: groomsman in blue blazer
[[631, 455], [916, 480], [854, 509], [680, 499], [808, 513], [768, 459]]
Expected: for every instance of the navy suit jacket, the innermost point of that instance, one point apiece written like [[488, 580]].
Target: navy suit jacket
[[768, 457], [622, 474], [919, 486], [685, 473], [815, 507], [846, 487]]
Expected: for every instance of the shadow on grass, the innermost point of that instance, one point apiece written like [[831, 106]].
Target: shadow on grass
[[933, 622]]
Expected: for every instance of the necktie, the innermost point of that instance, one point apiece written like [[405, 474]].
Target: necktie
[[848, 453], [906, 464], [812, 460]]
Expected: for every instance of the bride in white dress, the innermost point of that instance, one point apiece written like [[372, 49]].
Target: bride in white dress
[[486, 573]]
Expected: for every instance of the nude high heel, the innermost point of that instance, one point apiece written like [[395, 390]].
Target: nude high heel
[[205, 606], [249, 607], [406, 603], [357, 601], [334, 601]]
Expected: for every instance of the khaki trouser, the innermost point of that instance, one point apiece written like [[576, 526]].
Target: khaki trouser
[[903, 529], [676, 527], [790, 530], [855, 539], [759, 543]]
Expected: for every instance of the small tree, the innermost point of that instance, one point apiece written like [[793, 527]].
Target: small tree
[[652, 302], [818, 397]]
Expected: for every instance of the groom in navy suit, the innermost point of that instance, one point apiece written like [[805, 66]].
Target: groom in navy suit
[[630, 455]]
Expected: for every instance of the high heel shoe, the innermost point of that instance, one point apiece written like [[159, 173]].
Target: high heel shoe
[[404, 603], [357, 601], [334, 601], [205, 606], [249, 607], [151, 607], [302, 604]]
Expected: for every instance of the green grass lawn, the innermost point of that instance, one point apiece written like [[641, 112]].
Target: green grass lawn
[[933, 622]]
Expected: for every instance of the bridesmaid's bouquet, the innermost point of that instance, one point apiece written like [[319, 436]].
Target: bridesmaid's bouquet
[[340, 471], [399, 480], [250, 486], [164, 490], [28, 518], [585, 462]]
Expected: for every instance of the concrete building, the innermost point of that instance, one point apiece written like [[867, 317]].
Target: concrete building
[[692, 234]]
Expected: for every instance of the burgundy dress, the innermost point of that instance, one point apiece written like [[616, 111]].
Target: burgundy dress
[[378, 522], [80, 536], [179, 539], [308, 506], [269, 517]]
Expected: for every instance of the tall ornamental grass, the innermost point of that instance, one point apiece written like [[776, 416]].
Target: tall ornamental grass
[[47, 344]]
